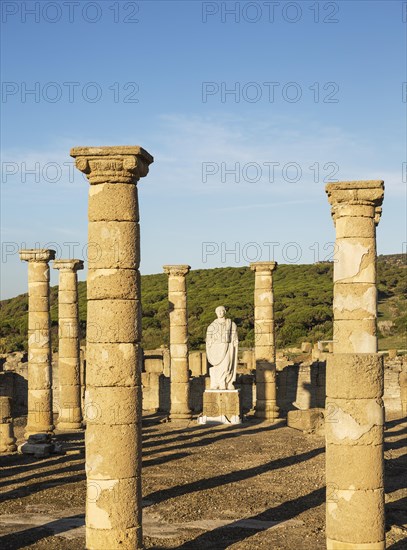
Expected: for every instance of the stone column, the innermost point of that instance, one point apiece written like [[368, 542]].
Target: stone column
[[39, 418], [114, 357], [70, 411], [354, 414], [7, 439], [356, 210], [265, 350], [179, 381]]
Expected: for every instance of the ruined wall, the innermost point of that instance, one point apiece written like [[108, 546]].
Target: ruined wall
[[300, 386]]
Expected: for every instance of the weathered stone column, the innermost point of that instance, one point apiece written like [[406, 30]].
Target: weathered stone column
[[356, 210], [265, 350], [70, 411], [179, 381], [7, 439], [39, 418], [354, 414], [113, 353]]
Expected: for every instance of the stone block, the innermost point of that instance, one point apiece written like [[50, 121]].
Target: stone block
[[113, 202], [105, 321], [347, 509], [221, 406], [120, 284], [354, 422], [392, 354], [354, 376], [310, 420], [112, 362], [113, 245], [195, 363], [355, 260], [306, 347], [153, 364], [106, 461]]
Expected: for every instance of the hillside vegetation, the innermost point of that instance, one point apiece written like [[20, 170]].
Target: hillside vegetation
[[303, 305]]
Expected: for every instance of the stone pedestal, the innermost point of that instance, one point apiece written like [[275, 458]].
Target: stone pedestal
[[113, 353], [39, 417], [70, 411], [265, 351], [221, 407], [7, 439], [179, 384], [354, 413]]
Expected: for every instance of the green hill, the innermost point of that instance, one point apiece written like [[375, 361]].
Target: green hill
[[303, 305]]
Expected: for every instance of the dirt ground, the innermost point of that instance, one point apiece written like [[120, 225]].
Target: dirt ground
[[252, 486]]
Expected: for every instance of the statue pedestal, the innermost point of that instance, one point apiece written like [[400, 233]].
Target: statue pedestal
[[221, 407]]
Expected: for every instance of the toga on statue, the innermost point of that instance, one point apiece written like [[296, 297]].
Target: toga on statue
[[221, 351]]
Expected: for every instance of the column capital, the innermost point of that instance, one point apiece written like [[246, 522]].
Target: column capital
[[176, 270], [112, 164], [351, 198], [37, 255], [263, 266], [68, 265]]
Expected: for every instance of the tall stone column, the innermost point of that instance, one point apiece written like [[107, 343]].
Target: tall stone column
[[354, 415], [39, 418], [70, 411], [179, 382], [265, 350], [113, 373]]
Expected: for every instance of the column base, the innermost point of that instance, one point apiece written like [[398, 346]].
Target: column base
[[180, 417], [267, 410], [31, 430], [69, 426], [332, 544]]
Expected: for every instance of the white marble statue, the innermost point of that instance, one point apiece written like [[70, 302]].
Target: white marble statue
[[221, 351]]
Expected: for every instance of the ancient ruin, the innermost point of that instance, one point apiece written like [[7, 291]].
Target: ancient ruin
[[221, 393], [113, 379], [39, 417], [354, 418], [70, 415], [177, 296], [265, 350]]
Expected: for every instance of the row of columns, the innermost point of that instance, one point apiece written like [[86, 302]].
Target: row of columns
[[265, 351], [354, 432], [39, 398], [39, 342]]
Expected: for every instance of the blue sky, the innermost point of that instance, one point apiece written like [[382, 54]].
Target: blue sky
[[238, 176]]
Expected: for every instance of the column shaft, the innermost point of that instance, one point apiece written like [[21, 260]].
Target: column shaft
[[354, 416], [265, 351], [70, 410], [113, 375], [179, 381], [39, 418]]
